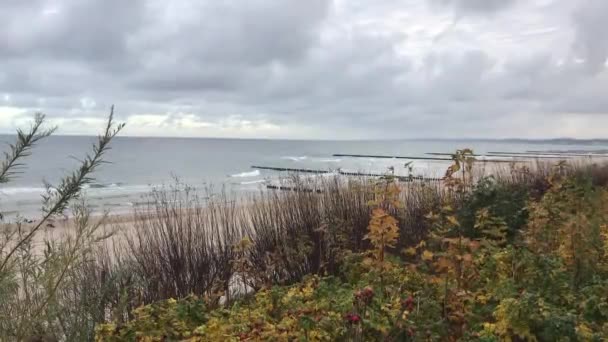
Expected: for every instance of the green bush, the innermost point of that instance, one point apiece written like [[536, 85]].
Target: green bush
[[505, 201]]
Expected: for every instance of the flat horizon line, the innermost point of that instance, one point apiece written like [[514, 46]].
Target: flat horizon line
[[345, 140]]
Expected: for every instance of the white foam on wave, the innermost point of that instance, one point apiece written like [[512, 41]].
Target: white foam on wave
[[253, 173], [253, 182], [102, 185], [319, 175], [296, 159], [21, 190], [493, 158], [330, 160], [420, 165], [330, 175]]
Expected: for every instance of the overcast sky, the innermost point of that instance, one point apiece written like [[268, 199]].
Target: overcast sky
[[343, 69]]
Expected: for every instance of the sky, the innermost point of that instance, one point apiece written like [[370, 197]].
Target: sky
[[314, 69]]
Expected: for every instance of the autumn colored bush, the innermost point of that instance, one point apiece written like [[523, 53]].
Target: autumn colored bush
[[517, 254], [521, 254], [499, 261]]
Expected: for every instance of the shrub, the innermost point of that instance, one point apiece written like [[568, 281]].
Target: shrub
[[498, 263], [505, 201], [40, 294], [179, 246]]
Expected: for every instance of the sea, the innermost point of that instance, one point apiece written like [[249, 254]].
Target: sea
[[137, 165]]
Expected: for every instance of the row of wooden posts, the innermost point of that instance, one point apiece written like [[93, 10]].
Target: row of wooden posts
[[522, 157]]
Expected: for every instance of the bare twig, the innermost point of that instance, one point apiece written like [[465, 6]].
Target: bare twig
[[22, 148], [58, 198]]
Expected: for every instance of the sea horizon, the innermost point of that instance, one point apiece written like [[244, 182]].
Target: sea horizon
[[559, 140]]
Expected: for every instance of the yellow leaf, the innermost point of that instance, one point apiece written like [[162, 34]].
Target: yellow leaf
[[435, 280], [453, 220], [451, 241], [444, 264], [427, 255], [409, 251], [481, 298]]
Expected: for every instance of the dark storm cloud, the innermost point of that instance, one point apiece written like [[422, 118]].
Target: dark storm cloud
[[315, 68]]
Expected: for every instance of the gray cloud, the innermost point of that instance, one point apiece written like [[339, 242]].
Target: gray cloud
[[318, 68], [476, 6], [591, 42], [69, 30]]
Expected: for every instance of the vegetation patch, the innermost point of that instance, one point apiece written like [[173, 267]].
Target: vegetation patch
[[519, 255]]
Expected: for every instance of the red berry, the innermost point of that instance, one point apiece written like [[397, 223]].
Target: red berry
[[408, 303], [353, 318]]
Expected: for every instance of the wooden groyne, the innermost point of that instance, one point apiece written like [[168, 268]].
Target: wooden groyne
[[362, 174], [348, 173], [421, 158], [419, 178], [400, 178], [286, 169], [497, 154], [387, 157], [291, 188], [600, 153]]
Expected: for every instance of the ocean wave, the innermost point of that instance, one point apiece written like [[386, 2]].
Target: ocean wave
[[330, 160], [39, 190], [419, 165], [329, 174], [254, 173], [296, 159], [21, 190], [493, 158], [102, 185], [253, 182]]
